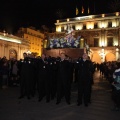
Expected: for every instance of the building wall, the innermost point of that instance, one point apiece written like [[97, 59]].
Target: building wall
[[7, 47], [34, 37], [71, 52], [35, 43], [103, 29]]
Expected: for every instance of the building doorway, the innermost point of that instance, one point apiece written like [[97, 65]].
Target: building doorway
[[110, 57], [96, 58]]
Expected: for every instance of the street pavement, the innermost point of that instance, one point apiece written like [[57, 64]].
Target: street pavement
[[12, 108]]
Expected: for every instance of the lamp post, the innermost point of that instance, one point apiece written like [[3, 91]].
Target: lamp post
[[4, 33], [82, 42], [102, 54], [117, 49], [28, 52]]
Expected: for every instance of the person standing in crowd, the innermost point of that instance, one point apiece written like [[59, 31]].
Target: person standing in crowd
[[92, 70], [23, 75], [0, 74], [76, 69], [49, 79], [5, 73], [84, 80], [71, 68], [35, 74], [14, 74], [54, 78], [26, 77], [116, 88], [42, 77], [63, 81]]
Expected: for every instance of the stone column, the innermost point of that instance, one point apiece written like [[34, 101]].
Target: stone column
[[117, 54], [18, 53], [1, 50], [102, 37], [81, 43], [6, 51], [45, 44]]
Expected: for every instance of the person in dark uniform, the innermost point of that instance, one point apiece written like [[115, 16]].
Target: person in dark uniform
[[34, 75], [23, 71], [54, 78], [115, 95], [26, 77], [63, 81], [49, 79], [84, 80], [76, 69], [42, 76], [92, 70]]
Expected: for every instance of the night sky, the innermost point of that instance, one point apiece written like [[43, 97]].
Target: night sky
[[24, 13]]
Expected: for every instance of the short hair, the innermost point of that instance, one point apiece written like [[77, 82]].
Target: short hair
[[25, 53], [118, 64]]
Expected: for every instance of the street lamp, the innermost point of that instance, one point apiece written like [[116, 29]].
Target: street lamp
[[102, 54], [28, 52]]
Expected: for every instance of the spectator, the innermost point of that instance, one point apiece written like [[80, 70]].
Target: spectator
[[5, 73], [116, 89]]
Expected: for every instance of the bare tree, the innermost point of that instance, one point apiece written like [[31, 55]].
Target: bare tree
[[60, 13], [114, 5], [44, 28]]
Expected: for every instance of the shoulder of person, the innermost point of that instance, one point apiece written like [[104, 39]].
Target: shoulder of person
[[117, 70]]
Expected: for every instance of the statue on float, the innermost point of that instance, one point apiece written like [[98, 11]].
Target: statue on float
[[69, 35], [67, 41], [87, 48]]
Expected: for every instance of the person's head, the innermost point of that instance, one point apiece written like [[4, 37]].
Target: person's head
[[5, 63], [85, 56], [88, 57], [62, 56], [66, 57], [118, 65], [32, 55], [29, 55], [24, 55], [43, 56], [4, 57]]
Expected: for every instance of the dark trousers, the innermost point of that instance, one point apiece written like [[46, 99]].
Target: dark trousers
[[41, 88], [116, 97], [63, 89], [83, 92], [25, 87]]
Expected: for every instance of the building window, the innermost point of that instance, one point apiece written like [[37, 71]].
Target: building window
[[109, 24], [96, 42], [62, 29], [73, 26], [84, 26], [110, 41], [95, 26]]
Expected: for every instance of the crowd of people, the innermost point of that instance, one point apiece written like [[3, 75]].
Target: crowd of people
[[111, 72], [49, 76], [9, 72], [52, 77]]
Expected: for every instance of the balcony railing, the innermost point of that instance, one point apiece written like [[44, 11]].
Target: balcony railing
[[89, 17]]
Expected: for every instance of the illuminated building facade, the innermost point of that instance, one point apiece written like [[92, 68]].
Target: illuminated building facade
[[12, 46], [100, 32], [35, 38]]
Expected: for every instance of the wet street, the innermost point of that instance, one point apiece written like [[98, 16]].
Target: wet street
[[12, 108]]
